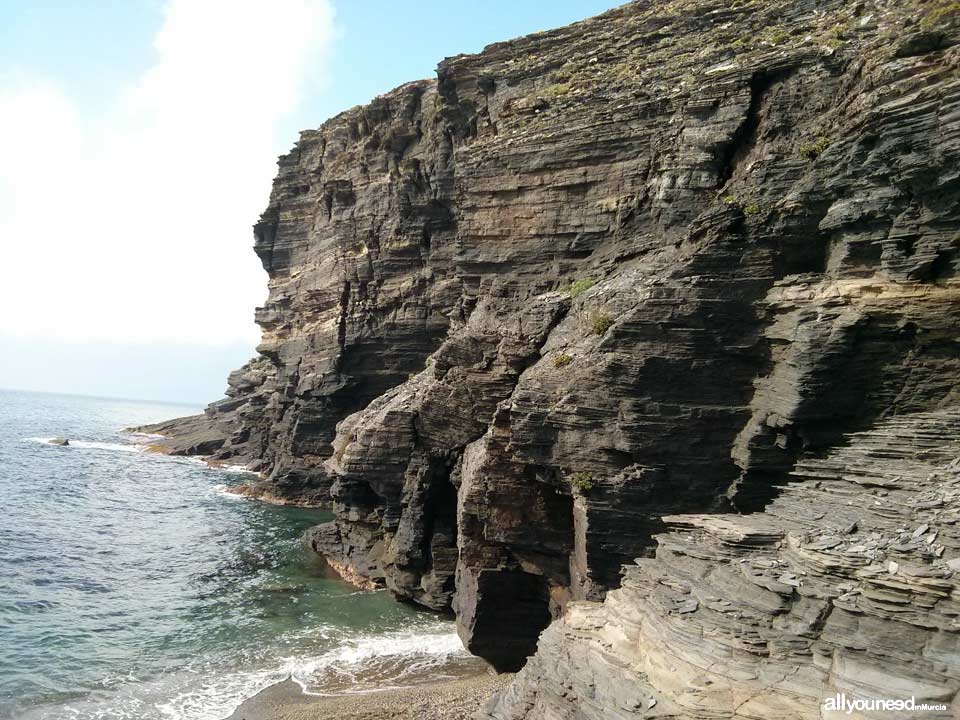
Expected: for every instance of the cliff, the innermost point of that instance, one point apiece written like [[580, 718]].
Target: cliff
[[663, 301], [840, 586]]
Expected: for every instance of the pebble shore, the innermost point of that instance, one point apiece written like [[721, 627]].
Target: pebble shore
[[456, 699]]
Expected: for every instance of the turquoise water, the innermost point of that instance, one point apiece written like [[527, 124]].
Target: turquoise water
[[133, 586]]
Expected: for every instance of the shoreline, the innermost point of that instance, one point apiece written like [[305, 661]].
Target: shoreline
[[454, 698], [458, 698]]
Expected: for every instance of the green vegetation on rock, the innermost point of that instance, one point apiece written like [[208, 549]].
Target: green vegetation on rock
[[581, 286], [938, 16], [581, 481], [813, 150], [600, 322], [556, 90]]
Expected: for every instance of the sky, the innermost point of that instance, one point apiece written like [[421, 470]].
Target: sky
[[138, 142]]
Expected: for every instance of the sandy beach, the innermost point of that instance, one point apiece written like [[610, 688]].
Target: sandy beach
[[455, 699]]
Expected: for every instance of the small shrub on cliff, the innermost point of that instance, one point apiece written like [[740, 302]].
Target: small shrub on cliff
[[581, 482], [813, 150], [734, 201], [600, 322], [776, 36], [939, 15], [556, 90], [562, 360], [840, 31], [581, 286]]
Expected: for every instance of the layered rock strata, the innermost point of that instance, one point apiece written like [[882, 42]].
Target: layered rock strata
[[633, 268], [847, 584]]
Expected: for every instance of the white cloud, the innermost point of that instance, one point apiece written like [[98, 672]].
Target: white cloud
[[134, 222]]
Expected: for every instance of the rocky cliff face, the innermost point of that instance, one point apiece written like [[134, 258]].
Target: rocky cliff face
[[603, 282], [841, 586]]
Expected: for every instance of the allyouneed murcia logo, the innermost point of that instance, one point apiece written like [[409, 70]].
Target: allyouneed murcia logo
[[848, 704]]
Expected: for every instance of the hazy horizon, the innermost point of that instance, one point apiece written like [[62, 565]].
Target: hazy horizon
[[147, 401], [179, 374], [140, 143]]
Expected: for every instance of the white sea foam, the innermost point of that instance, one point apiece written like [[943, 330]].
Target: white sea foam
[[218, 465], [187, 695], [226, 467], [145, 436], [90, 444], [215, 698], [140, 447], [361, 664], [377, 662], [224, 490], [113, 447]]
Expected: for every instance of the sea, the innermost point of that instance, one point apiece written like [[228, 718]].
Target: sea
[[133, 585]]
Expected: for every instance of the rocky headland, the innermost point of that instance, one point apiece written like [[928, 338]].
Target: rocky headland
[[636, 345]]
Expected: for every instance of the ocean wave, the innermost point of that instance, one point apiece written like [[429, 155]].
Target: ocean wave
[[241, 469], [379, 662], [141, 447], [112, 447], [186, 695], [361, 664], [228, 468], [145, 436], [217, 697], [223, 490], [217, 465], [90, 444]]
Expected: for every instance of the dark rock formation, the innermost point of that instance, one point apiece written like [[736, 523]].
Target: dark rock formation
[[842, 586], [647, 265], [195, 435]]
